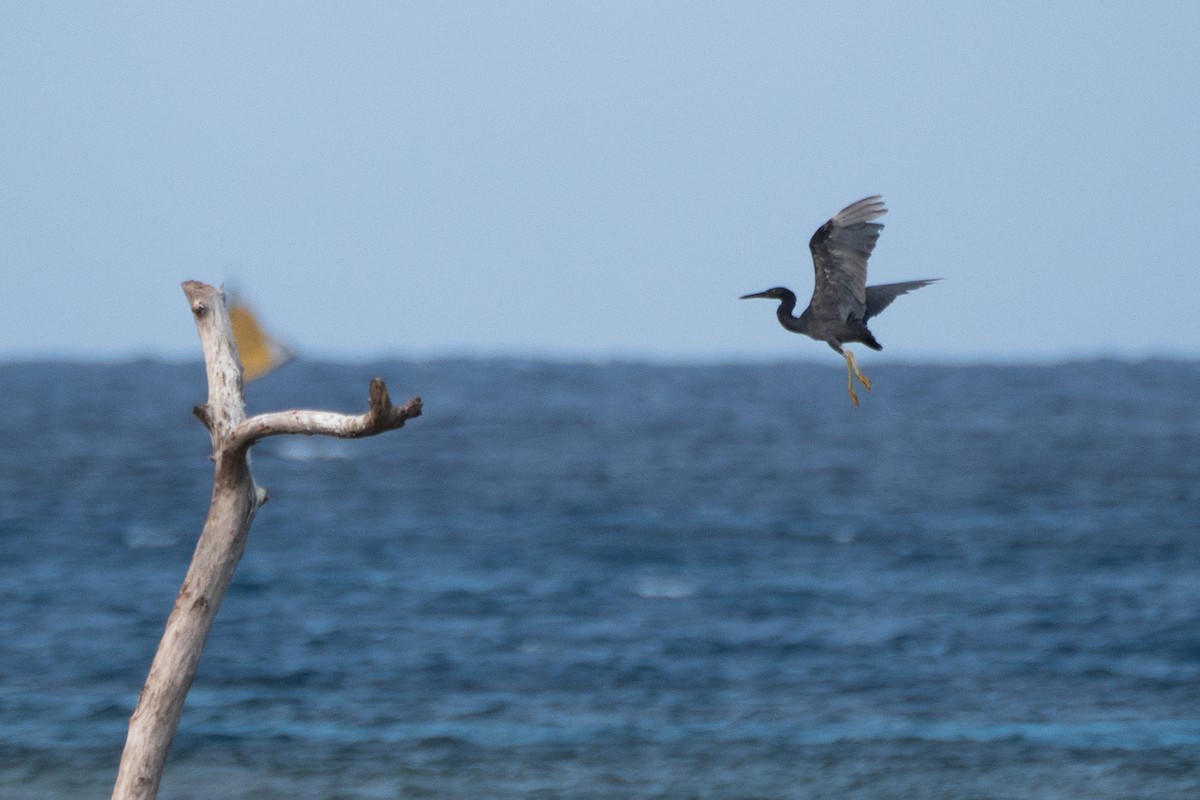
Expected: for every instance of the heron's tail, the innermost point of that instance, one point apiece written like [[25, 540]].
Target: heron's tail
[[859, 333]]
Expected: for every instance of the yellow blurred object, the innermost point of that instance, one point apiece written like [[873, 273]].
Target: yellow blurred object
[[260, 353]]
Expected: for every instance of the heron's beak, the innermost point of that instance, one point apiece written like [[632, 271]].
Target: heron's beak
[[751, 296]]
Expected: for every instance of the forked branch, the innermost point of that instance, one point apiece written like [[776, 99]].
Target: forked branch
[[235, 500]]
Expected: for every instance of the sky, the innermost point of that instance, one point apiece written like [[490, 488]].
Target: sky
[[597, 180]]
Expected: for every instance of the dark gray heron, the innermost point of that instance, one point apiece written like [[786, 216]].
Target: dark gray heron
[[842, 303]]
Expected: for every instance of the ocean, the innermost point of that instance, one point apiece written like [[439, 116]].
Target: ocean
[[620, 580]]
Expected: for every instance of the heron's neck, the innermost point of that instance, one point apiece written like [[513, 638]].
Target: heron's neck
[[787, 304]]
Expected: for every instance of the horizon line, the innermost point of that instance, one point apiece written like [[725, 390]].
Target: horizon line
[[617, 358]]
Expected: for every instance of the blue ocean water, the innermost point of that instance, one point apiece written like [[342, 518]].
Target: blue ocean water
[[621, 581]]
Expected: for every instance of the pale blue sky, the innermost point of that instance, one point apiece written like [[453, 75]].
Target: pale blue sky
[[597, 179]]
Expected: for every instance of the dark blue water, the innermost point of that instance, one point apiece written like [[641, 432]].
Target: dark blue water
[[611, 581]]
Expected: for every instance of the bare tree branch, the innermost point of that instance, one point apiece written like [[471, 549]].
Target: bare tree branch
[[382, 416], [235, 501]]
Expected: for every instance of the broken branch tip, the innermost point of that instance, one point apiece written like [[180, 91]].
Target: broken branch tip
[[201, 412]]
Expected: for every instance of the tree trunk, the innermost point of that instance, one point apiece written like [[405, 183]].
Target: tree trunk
[[235, 500]]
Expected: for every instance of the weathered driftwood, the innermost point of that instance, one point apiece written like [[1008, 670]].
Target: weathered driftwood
[[235, 500]]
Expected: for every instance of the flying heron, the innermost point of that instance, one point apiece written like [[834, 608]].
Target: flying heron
[[841, 301]]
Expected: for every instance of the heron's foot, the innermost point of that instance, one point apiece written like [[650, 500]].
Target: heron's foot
[[850, 370], [853, 372]]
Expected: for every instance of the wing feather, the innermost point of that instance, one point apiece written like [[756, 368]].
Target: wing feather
[[881, 296], [840, 249]]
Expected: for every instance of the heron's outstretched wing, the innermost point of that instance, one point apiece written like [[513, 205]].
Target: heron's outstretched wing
[[881, 296], [840, 249]]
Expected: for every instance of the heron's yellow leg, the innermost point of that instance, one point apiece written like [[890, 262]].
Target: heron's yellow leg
[[857, 373], [850, 377]]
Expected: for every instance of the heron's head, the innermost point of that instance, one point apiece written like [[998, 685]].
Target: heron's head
[[778, 293]]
